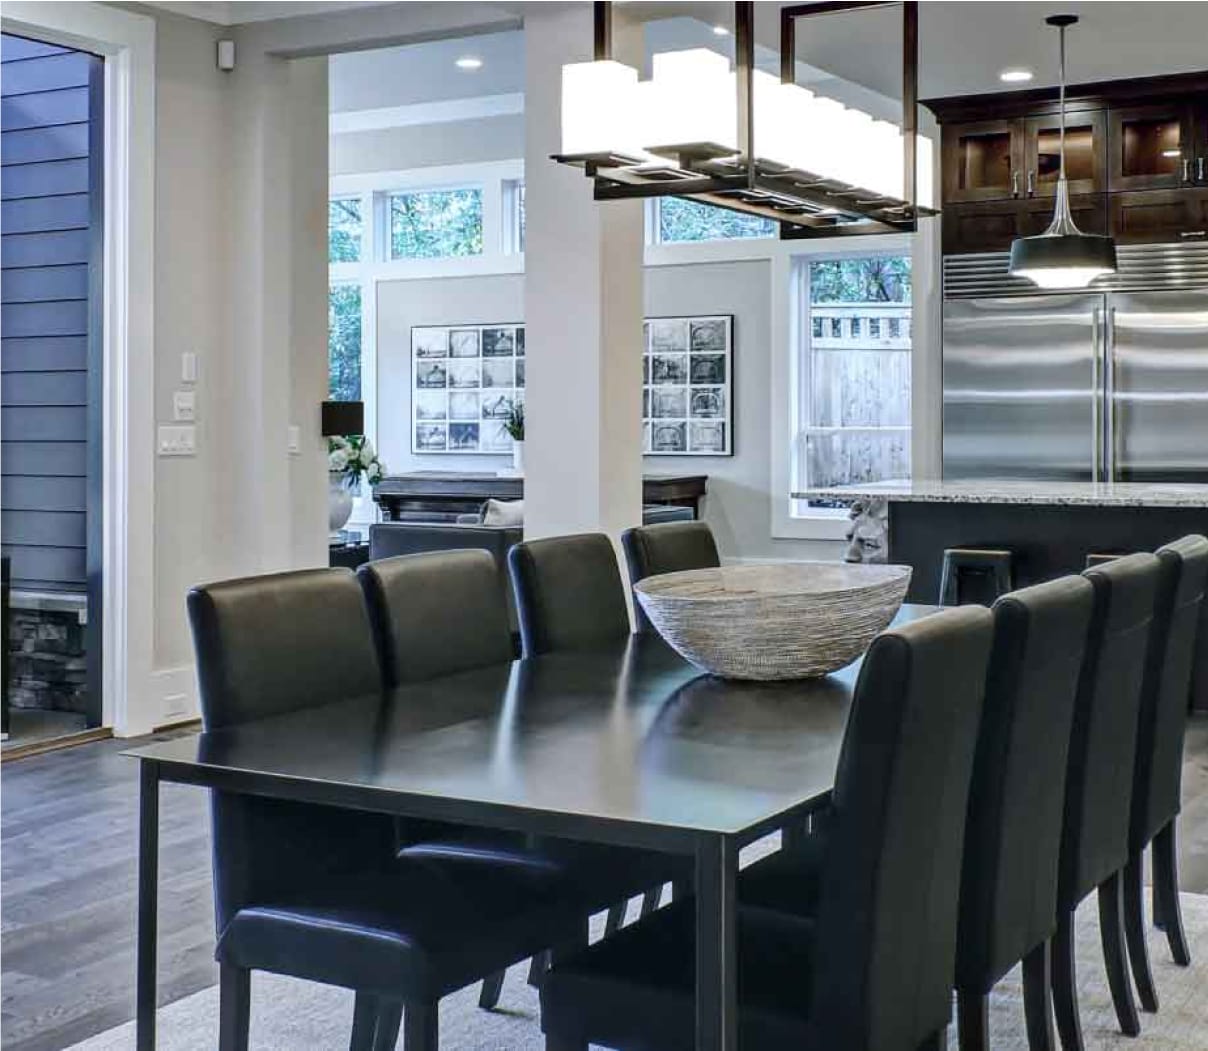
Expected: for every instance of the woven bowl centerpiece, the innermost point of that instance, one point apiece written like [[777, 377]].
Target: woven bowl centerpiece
[[792, 620]]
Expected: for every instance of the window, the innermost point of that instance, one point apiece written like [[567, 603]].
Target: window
[[513, 216], [344, 342], [344, 230], [853, 408], [434, 224], [678, 219]]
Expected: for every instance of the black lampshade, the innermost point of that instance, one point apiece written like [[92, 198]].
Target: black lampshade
[[342, 418], [1064, 260]]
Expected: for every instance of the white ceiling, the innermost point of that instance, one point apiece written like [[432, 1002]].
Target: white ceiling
[[963, 46], [237, 12]]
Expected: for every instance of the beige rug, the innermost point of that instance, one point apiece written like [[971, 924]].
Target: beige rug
[[289, 1015]]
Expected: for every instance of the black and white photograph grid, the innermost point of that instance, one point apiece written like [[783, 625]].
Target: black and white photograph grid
[[465, 380], [687, 395]]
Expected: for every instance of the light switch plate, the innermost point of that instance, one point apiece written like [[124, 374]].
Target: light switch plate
[[184, 406], [188, 367], [177, 441], [293, 439]]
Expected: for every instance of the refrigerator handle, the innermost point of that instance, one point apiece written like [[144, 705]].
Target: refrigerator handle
[[1109, 360], [1096, 398]]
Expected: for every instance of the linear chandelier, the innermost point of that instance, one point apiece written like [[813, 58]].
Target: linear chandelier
[[743, 139]]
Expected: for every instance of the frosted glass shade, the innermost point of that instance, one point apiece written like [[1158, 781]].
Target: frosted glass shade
[[597, 100], [693, 100]]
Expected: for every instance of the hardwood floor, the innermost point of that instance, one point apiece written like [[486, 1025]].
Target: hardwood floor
[[69, 836]]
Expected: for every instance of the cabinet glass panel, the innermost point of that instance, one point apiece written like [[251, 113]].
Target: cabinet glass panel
[[985, 161], [1079, 154], [1150, 146]]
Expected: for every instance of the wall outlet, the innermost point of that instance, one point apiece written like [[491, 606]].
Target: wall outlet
[[293, 439], [188, 367], [184, 405], [177, 441]]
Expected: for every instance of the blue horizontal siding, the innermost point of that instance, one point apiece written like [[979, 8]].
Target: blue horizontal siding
[[44, 388], [58, 424], [42, 180], [15, 48], [44, 283], [49, 353], [43, 108], [47, 242], [53, 73], [33, 145], [43, 528], [24, 493], [68, 318], [31, 215], [72, 246], [45, 459]]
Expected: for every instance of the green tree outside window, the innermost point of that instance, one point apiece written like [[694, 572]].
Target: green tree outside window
[[344, 230], [433, 224], [684, 220], [876, 279], [344, 342]]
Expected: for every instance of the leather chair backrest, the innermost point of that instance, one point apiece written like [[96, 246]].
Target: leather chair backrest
[[1103, 741], [272, 644], [667, 548], [436, 614], [1173, 638], [267, 646], [568, 593], [887, 914], [1013, 837]]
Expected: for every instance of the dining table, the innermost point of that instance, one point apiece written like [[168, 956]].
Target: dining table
[[628, 744]]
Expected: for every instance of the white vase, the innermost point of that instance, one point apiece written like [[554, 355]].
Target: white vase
[[518, 456], [339, 502]]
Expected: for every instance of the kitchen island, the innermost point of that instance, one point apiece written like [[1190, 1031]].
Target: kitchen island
[[1050, 527]]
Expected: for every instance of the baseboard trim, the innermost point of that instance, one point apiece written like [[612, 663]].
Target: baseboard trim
[[55, 744]]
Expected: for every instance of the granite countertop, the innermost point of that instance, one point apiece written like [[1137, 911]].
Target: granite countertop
[[990, 491]]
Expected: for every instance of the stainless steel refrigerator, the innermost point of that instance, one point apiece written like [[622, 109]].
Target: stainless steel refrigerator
[[1084, 386]]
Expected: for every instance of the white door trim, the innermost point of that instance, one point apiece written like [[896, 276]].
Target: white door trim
[[127, 41]]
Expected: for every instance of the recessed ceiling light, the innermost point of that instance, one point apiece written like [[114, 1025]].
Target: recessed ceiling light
[[1015, 76], [469, 62], [720, 31]]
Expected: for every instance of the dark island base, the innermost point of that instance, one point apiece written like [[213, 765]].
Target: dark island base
[[1048, 541]]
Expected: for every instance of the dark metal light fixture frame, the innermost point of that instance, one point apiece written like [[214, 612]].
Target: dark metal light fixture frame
[[805, 204]]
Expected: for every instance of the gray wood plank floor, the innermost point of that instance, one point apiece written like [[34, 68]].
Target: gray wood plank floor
[[69, 839]]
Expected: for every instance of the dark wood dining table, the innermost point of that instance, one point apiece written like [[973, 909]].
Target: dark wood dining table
[[631, 746]]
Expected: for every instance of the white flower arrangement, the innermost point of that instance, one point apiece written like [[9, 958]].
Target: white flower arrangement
[[354, 456]]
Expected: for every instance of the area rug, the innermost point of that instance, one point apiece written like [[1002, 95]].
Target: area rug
[[289, 1015]]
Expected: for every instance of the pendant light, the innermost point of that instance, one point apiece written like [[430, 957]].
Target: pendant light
[[1062, 256]]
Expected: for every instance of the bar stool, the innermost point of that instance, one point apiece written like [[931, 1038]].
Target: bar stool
[[996, 564]]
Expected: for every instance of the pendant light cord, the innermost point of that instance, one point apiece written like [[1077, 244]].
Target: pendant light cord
[[1062, 103]]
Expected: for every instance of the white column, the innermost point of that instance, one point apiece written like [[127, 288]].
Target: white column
[[583, 314]]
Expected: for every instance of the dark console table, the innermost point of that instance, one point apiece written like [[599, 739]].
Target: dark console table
[[447, 492]]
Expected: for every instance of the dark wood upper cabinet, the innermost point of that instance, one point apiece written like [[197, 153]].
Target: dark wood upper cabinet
[[1152, 147], [1136, 160], [1085, 153], [991, 226], [983, 160], [1160, 216]]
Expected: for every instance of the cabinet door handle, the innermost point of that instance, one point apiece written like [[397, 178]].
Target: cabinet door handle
[[1015, 183], [1186, 169], [1031, 183], [1199, 169], [1193, 233]]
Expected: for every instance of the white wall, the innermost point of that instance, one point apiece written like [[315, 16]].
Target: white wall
[[428, 145]]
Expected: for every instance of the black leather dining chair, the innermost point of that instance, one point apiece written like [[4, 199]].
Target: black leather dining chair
[[1099, 777], [318, 893], [873, 971], [1013, 836], [568, 593], [441, 613], [1157, 784], [667, 548]]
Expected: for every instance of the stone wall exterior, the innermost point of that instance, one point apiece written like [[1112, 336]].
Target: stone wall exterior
[[46, 661]]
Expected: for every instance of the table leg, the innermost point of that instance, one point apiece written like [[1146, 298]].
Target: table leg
[[148, 892], [716, 944]]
